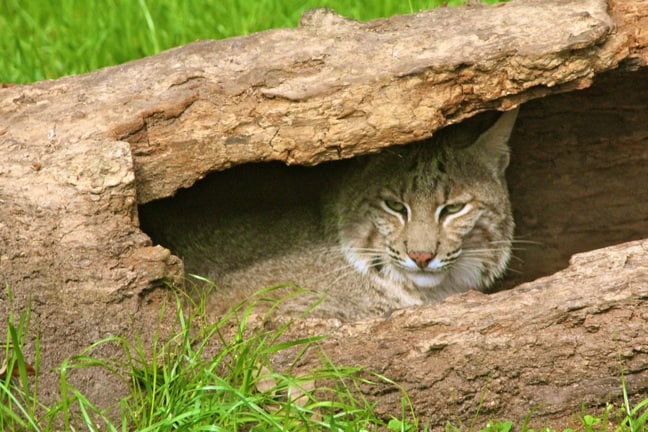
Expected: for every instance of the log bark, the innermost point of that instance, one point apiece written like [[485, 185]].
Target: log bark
[[81, 156], [545, 349]]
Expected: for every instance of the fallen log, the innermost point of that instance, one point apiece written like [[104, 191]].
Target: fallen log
[[546, 350], [82, 156]]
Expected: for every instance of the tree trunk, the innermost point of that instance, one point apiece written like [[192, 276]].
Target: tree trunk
[[79, 154]]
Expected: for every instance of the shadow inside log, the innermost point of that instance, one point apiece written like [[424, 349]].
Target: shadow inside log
[[579, 173], [248, 200], [578, 180]]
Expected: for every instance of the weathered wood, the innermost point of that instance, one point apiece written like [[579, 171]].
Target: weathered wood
[[77, 156], [547, 347]]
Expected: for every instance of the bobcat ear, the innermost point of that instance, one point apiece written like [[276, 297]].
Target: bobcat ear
[[493, 144]]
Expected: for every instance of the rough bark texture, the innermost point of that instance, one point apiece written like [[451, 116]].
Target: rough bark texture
[[77, 156], [547, 346]]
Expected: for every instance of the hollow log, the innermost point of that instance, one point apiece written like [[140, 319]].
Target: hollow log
[[82, 156]]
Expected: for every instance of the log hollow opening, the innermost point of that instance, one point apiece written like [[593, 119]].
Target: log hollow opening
[[577, 178]]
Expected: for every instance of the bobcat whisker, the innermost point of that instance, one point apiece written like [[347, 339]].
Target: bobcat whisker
[[519, 241], [484, 256], [345, 271], [516, 258], [476, 261], [510, 246], [350, 270], [469, 250], [494, 263], [512, 270], [480, 256]]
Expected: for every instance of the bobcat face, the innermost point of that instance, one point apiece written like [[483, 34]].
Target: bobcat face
[[422, 238], [425, 238], [433, 217]]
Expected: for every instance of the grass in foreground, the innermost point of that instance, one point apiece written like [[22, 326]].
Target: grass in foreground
[[219, 377], [46, 40], [188, 384]]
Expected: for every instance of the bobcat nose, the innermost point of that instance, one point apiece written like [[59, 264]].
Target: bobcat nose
[[422, 259]]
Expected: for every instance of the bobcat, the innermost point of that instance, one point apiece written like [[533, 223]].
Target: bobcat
[[407, 226]]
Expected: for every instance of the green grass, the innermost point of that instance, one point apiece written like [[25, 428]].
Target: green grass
[[49, 39], [216, 377], [219, 377]]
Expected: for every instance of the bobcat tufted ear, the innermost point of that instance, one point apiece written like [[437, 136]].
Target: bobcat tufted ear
[[493, 144]]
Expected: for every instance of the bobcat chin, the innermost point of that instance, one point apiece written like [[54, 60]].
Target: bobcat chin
[[410, 225]]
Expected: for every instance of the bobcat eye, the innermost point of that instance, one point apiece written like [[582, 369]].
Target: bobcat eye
[[396, 206], [449, 209]]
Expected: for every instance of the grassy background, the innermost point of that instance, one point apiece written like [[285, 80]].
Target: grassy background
[[50, 39]]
